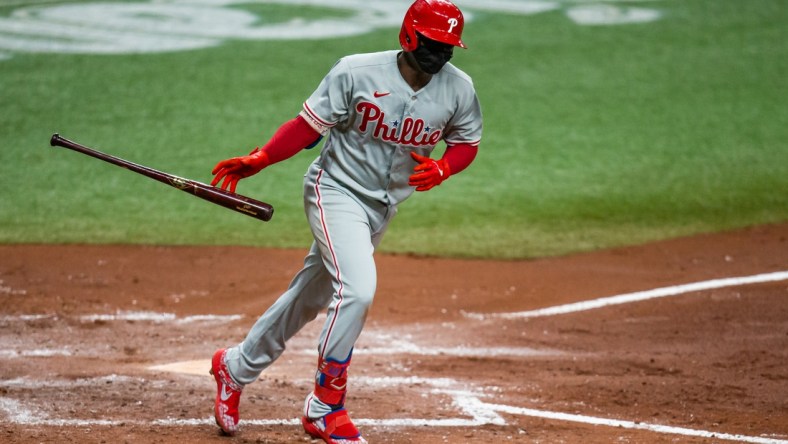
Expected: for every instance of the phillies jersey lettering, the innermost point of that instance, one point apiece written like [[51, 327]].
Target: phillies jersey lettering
[[411, 132], [374, 120]]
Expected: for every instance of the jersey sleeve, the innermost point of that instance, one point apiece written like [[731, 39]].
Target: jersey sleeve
[[465, 127], [329, 103]]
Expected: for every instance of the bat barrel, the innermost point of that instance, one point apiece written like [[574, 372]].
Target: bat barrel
[[236, 202]]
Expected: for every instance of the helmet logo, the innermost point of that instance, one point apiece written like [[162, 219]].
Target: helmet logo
[[452, 23]]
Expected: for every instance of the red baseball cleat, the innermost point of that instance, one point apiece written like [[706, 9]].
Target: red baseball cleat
[[228, 395], [334, 428]]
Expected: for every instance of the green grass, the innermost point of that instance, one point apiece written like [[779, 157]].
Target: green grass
[[594, 136]]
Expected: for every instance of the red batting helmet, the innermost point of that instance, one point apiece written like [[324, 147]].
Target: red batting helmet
[[438, 20]]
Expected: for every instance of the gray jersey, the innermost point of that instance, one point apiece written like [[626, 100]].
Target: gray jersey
[[374, 119]]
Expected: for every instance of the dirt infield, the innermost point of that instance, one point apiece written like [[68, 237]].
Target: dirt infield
[[110, 344]]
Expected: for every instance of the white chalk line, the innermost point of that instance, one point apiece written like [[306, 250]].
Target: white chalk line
[[128, 316], [467, 401], [463, 351], [98, 381], [392, 346], [658, 428], [636, 296], [35, 353], [481, 414]]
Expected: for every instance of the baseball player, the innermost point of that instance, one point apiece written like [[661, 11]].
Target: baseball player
[[382, 115]]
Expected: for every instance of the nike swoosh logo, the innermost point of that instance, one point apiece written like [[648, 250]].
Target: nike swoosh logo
[[225, 395], [339, 387], [380, 94]]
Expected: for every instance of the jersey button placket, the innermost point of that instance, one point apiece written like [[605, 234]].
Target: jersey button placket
[[409, 106]]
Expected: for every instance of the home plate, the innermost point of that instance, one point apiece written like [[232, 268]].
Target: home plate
[[201, 367], [198, 367]]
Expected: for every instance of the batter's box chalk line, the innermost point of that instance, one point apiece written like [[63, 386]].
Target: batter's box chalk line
[[128, 316], [385, 342], [469, 402], [635, 297]]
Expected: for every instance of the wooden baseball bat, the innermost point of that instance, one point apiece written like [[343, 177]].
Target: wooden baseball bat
[[233, 201]]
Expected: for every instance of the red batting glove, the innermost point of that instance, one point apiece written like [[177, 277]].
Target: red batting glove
[[234, 169], [429, 173]]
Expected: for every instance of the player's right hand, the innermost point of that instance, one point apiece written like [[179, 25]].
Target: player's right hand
[[234, 169]]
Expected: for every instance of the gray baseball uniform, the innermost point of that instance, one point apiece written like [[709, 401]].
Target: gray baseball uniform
[[373, 120]]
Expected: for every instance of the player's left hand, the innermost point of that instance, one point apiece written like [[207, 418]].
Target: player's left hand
[[428, 173]]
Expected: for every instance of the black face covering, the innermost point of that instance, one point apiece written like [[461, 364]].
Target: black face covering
[[432, 55]]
